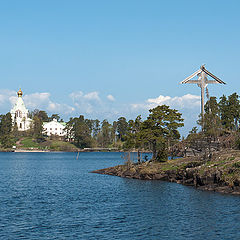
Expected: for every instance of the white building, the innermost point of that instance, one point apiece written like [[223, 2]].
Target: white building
[[19, 114], [54, 128]]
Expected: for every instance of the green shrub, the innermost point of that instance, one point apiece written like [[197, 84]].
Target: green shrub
[[236, 165]]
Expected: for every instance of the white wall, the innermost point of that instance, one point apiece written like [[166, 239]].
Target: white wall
[[54, 128]]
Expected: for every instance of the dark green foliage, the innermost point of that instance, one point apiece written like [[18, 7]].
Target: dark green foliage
[[122, 126], [113, 132], [95, 128], [193, 136], [38, 129], [160, 130], [220, 117], [90, 124], [224, 112], [157, 133], [236, 165], [54, 116], [219, 125], [80, 132], [162, 153], [237, 143], [40, 114], [6, 137], [212, 123], [132, 138], [104, 137], [234, 109], [193, 131], [229, 111]]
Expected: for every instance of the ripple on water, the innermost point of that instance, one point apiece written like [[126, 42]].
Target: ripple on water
[[53, 196]]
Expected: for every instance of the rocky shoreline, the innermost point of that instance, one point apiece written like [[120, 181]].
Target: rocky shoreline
[[221, 173]]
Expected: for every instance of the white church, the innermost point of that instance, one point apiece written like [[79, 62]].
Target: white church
[[20, 117], [20, 114]]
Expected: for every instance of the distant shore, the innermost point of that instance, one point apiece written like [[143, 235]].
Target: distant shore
[[74, 150], [221, 173], [52, 150], [34, 150]]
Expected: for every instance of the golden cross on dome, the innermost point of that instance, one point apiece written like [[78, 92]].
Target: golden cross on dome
[[20, 93]]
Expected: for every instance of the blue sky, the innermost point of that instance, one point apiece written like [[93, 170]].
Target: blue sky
[[107, 59]]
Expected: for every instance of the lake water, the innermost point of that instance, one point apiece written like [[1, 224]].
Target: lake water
[[53, 196]]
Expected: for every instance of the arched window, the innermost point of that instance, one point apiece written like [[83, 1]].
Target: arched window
[[20, 126], [18, 113]]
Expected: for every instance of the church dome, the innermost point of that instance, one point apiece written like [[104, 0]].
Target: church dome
[[20, 93], [19, 113]]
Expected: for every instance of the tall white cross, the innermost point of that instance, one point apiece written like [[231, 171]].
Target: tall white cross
[[202, 82]]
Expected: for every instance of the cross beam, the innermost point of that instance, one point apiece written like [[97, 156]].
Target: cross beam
[[202, 82]]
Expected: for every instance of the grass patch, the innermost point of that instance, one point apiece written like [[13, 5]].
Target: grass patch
[[54, 145], [29, 142], [169, 167], [57, 145]]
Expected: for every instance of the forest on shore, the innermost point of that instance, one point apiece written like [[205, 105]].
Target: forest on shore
[[157, 133]]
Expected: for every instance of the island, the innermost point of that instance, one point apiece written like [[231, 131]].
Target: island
[[219, 173]]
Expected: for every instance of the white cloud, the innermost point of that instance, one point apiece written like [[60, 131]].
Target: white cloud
[[92, 106], [110, 98], [86, 103], [42, 101], [62, 109], [6, 96], [37, 100], [92, 96], [33, 101], [188, 105], [6, 99], [188, 101]]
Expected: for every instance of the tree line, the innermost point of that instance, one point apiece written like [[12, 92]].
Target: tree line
[[221, 116], [220, 121], [157, 133]]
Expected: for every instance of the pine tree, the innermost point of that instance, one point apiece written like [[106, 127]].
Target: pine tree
[[38, 129], [122, 126], [160, 130], [6, 136]]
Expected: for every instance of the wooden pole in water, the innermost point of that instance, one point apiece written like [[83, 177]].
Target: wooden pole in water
[[77, 155]]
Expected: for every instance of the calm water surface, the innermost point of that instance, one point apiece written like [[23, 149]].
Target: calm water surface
[[53, 196]]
